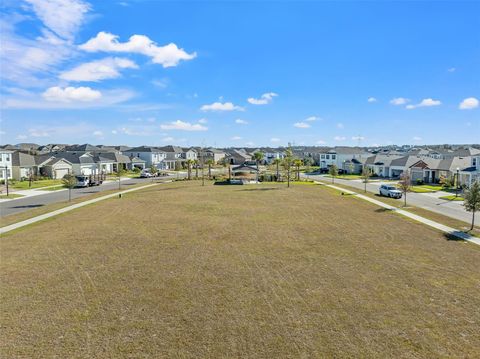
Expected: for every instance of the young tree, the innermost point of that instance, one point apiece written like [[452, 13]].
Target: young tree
[[69, 181], [277, 162], [287, 163], [472, 200], [210, 163], [366, 173], [307, 162], [351, 167], [297, 163], [404, 185], [333, 171], [189, 169], [120, 172], [153, 169]]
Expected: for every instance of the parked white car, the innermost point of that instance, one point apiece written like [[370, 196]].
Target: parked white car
[[390, 191], [146, 174], [82, 181]]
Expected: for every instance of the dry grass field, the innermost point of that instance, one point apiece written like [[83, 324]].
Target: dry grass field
[[184, 271]]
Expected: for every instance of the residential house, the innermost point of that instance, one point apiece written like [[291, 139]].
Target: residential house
[[151, 155], [120, 160], [5, 164], [53, 167], [470, 174], [82, 162], [23, 165], [212, 154], [237, 156], [379, 164]]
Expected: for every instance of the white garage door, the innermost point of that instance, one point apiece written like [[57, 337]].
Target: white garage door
[[60, 172]]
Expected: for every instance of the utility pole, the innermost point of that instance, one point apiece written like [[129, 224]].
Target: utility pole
[[203, 165], [6, 178], [118, 173]]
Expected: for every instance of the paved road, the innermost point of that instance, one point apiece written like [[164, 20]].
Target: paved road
[[453, 209], [27, 203]]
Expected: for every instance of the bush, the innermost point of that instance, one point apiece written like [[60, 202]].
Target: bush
[[419, 182]]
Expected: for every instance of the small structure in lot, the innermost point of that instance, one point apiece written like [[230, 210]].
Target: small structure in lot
[[245, 173]]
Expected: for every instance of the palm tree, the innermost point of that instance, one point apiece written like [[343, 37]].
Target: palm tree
[[277, 162], [287, 162], [189, 168], [258, 156], [210, 163], [195, 163], [297, 163]]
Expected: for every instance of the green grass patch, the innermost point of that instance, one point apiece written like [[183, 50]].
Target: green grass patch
[[35, 184], [11, 195], [452, 198]]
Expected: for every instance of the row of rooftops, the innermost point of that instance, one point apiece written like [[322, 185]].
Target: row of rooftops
[[437, 152]]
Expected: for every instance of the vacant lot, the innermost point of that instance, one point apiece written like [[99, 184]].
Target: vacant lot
[[243, 271]]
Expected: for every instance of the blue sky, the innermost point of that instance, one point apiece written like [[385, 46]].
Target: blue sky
[[240, 73]]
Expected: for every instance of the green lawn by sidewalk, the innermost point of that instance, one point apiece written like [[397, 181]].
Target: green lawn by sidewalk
[[452, 198], [35, 184], [11, 195]]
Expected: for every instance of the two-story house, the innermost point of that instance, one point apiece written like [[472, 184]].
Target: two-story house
[[151, 155], [5, 164]]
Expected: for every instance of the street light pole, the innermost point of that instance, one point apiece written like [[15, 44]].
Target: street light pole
[[6, 178], [456, 187]]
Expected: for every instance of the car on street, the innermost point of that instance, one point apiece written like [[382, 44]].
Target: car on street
[[82, 181], [147, 174], [388, 190]]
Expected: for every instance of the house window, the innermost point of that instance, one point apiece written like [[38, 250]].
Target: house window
[[333, 157], [7, 158], [474, 161], [328, 157], [323, 157]]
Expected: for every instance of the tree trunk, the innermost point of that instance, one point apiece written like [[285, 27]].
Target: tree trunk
[[278, 175], [405, 199], [473, 220], [209, 171], [288, 177]]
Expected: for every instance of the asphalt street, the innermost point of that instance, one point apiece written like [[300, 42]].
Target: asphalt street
[[27, 203], [453, 209]]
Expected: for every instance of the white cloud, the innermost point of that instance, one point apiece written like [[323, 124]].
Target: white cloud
[[21, 137], [203, 121], [160, 83], [358, 138], [320, 142], [339, 138], [37, 101], [2, 132], [340, 125], [312, 119], [398, 101], [168, 139], [469, 103], [183, 126], [416, 138], [235, 138], [63, 17], [265, 99], [274, 139], [219, 106], [241, 122], [249, 143], [452, 69], [371, 99], [97, 134], [427, 102], [114, 132], [69, 94], [167, 56], [33, 132], [301, 125], [107, 68]]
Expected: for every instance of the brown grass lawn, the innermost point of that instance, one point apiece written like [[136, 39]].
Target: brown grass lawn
[[185, 271]]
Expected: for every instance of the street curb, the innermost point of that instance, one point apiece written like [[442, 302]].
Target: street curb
[[26, 222], [449, 230]]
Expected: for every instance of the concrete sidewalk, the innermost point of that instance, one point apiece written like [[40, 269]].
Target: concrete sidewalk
[[67, 209], [449, 230]]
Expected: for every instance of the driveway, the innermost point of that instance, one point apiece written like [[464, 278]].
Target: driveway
[[429, 201]]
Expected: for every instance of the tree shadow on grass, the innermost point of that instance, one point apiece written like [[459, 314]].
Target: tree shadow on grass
[[29, 206], [382, 210], [260, 189], [455, 236]]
